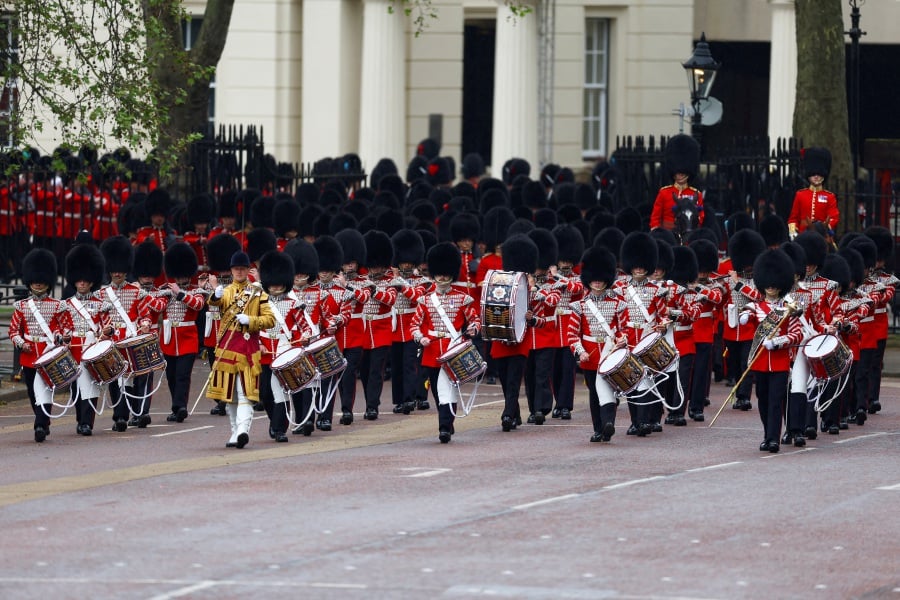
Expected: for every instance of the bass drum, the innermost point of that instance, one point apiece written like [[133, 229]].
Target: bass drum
[[504, 301]]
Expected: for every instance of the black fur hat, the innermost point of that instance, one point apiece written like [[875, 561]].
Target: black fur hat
[[353, 245], [379, 250], [534, 195], [598, 264], [610, 238], [39, 266], [118, 253], [836, 268], [815, 247], [259, 241], [305, 257], [472, 165], [515, 167], [495, 226], [219, 250], [706, 254], [158, 202], [227, 204], [286, 216], [867, 248], [201, 209], [855, 265], [520, 254], [428, 148], [665, 235], [628, 220], [545, 218], [261, 212], [389, 221], [180, 261], [548, 249], [816, 161], [464, 226], [744, 247], [408, 247], [570, 243], [331, 254], [84, 262], [682, 154], [444, 259], [737, 221], [639, 250], [773, 268], [666, 258], [707, 232], [798, 257], [774, 230], [685, 267], [520, 225], [276, 268], [148, 260], [884, 242]]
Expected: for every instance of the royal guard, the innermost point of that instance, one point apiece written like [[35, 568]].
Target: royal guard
[[571, 289], [679, 206], [159, 232], [84, 270], [219, 249], [464, 229], [872, 287], [598, 326], [201, 209], [227, 214], [39, 324], [709, 298], [495, 225], [442, 316], [148, 269], [884, 243], [683, 274], [408, 253], [285, 220], [543, 298], [814, 203], [352, 334]]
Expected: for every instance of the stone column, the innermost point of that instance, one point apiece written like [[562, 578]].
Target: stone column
[[782, 70]]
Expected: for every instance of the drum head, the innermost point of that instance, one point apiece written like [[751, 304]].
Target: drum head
[[612, 361], [48, 357], [319, 344], [521, 292], [134, 341], [287, 357], [454, 351], [98, 349], [647, 342], [820, 345]]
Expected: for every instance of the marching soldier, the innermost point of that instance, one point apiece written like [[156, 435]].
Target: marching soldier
[[684, 277], [409, 252], [464, 229], [286, 220], [148, 269], [812, 324], [543, 298], [201, 210], [884, 242], [219, 249], [571, 289], [352, 334], [709, 298], [159, 231], [495, 225], [872, 287]]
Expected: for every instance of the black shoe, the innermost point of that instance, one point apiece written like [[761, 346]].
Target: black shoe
[[632, 430], [531, 418], [271, 433], [764, 447], [172, 418], [422, 405], [120, 425], [670, 419], [398, 408], [787, 438], [79, 429], [507, 424], [597, 437], [218, 409], [134, 421], [834, 429], [843, 424], [874, 407], [143, 421], [773, 447], [518, 420], [259, 407], [444, 437], [810, 433], [706, 402], [180, 415], [696, 416], [409, 407], [609, 430], [555, 413], [860, 417], [799, 440], [87, 430], [371, 414], [656, 427], [231, 444], [242, 440], [491, 380], [565, 414], [645, 429], [40, 434], [324, 425], [539, 419], [281, 437], [680, 421], [346, 418]]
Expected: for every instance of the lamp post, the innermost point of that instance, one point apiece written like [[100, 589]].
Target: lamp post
[[701, 71], [855, 33]]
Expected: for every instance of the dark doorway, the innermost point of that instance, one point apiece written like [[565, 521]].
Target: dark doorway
[[478, 87]]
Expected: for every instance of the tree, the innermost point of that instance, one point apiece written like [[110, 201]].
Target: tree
[[423, 12], [820, 113]]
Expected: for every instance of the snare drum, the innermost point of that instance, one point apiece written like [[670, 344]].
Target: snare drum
[[327, 356], [621, 370], [504, 301], [828, 356], [462, 363], [58, 367], [294, 369], [143, 353], [655, 352], [104, 362]]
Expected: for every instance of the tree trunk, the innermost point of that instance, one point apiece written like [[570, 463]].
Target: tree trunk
[[820, 114]]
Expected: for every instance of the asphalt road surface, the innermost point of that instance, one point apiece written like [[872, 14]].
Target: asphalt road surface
[[382, 510]]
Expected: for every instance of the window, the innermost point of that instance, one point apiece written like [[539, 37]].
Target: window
[[190, 30], [9, 93], [596, 88]]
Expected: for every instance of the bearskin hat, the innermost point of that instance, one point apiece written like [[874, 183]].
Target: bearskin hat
[[353, 246], [276, 268], [798, 257], [774, 230], [515, 167], [219, 250], [305, 257], [180, 261], [84, 262], [815, 247], [666, 257], [259, 241], [158, 202], [707, 255], [429, 239], [610, 238], [639, 251], [520, 254], [585, 198], [472, 165], [737, 221], [744, 247], [331, 254], [118, 253], [379, 250], [884, 242], [847, 238], [816, 161], [285, 216], [867, 248], [773, 269], [429, 148], [534, 195], [464, 226], [444, 259], [682, 154], [545, 218], [39, 266], [408, 247], [389, 221], [707, 232], [628, 219], [599, 220], [261, 212], [570, 243], [685, 268], [228, 204], [439, 171], [856, 266], [201, 209], [598, 264], [836, 268], [491, 199], [495, 226], [568, 213], [548, 249], [148, 260], [520, 226], [383, 168], [665, 235]]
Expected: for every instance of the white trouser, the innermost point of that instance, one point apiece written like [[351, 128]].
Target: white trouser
[[277, 391], [240, 412], [604, 391], [800, 371], [87, 388]]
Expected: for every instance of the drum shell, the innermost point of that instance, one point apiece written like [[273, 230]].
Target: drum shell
[[621, 370], [108, 364], [655, 352], [327, 355], [462, 363], [828, 365], [294, 369], [142, 353], [57, 367], [504, 301]]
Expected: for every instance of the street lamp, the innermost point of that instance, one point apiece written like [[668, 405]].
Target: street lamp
[[855, 33], [701, 71]]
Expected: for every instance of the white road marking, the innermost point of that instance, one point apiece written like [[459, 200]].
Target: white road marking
[[788, 453], [424, 471], [890, 488], [203, 585], [711, 467], [861, 437], [183, 431], [544, 501], [616, 486]]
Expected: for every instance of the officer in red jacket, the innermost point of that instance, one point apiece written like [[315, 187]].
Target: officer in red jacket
[[814, 203], [679, 206]]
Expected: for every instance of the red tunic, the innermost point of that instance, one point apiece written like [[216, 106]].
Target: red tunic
[[665, 206], [810, 205]]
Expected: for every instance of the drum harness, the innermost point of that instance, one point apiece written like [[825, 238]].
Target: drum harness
[[443, 379]]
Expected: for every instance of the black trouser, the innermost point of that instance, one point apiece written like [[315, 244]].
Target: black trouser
[[445, 411], [718, 362], [564, 378], [178, 376], [867, 362], [371, 369], [842, 405], [302, 406], [40, 417], [328, 413], [685, 373], [771, 389], [738, 355], [600, 415], [875, 373], [277, 413], [84, 407], [538, 375], [510, 370], [348, 381], [700, 380], [490, 360], [404, 372], [140, 386]]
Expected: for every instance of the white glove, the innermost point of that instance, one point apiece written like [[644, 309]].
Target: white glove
[[744, 318], [769, 344], [219, 291], [243, 319]]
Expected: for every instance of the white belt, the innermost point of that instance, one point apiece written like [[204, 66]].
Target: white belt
[[684, 327], [707, 315], [67, 215], [867, 319], [405, 311], [183, 323], [438, 334], [35, 338], [377, 317], [596, 339], [43, 213], [561, 311], [464, 284], [879, 311], [356, 315], [635, 325]]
